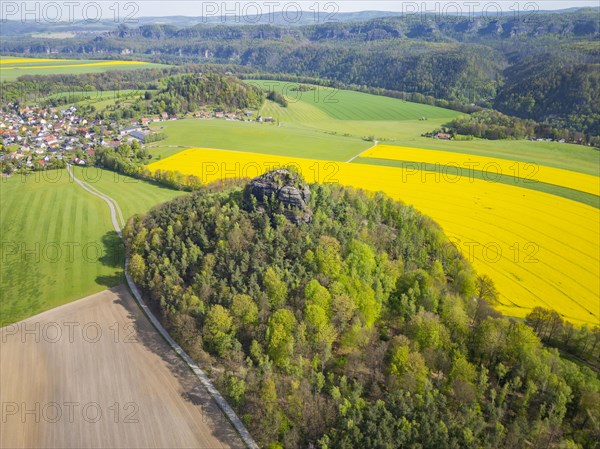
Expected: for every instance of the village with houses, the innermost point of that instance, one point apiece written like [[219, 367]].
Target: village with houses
[[40, 138]]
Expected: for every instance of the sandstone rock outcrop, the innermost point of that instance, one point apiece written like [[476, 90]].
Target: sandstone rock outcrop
[[280, 191]]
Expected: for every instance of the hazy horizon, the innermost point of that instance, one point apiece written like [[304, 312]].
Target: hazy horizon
[[61, 11]]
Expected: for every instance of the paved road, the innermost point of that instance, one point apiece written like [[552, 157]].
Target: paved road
[[218, 398]]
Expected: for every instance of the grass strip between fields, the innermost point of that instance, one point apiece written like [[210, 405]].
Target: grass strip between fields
[[448, 173]]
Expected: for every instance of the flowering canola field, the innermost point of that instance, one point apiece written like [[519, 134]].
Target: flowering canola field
[[63, 66], [540, 249], [522, 171], [8, 60]]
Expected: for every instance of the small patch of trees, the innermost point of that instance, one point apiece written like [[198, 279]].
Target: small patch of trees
[[275, 96]]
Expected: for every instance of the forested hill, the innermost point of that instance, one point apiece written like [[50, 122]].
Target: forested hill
[[579, 24], [541, 66], [187, 93], [344, 320]]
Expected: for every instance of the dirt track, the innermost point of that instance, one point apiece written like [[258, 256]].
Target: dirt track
[[100, 376]]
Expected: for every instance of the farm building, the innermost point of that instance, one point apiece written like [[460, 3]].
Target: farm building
[[129, 130], [139, 135]]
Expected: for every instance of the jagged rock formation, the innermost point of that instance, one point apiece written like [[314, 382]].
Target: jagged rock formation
[[280, 191]]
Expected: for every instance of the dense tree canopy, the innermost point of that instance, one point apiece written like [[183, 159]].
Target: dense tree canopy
[[363, 328], [188, 93]]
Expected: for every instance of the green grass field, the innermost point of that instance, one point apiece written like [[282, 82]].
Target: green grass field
[[58, 244], [265, 138], [11, 68], [350, 105], [353, 113], [322, 124], [45, 227], [134, 196]]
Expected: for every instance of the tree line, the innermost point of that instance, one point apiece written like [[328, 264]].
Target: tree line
[[494, 125], [131, 160], [582, 342]]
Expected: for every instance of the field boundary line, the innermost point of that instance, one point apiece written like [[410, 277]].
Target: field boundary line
[[40, 316], [375, 142], [200, 374], [185, 148]]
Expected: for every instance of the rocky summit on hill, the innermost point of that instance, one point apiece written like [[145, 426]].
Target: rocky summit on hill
[[280, 191]]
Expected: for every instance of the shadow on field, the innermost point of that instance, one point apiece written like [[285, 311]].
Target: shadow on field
[[113, 256], [191, 388], [110, 281]]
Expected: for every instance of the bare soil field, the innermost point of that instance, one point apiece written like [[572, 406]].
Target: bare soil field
[[95, 374]]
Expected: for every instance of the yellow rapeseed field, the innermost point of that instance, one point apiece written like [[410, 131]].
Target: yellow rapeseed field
[[525, 172], [5, 60], [539, 249], [91, 64]]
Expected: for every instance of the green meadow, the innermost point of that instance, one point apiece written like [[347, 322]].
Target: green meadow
[[353, 113], [134, 196], [265, 138], [58, 244], [321, 124]]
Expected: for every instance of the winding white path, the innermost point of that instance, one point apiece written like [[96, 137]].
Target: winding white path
[[375, 142], [115, 211]]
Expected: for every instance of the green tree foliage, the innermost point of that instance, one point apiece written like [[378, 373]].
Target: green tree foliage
[[275, 96], [327, 256], [244, 310], [331, 336], [275, 288], [561, 89], [137, 268], [582, 342], [188, 93], [493, 125], [280, 337], [218, 330]]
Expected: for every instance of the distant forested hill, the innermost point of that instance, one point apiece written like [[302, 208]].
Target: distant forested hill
[[555, 88], [541, 66], [187, 93]]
